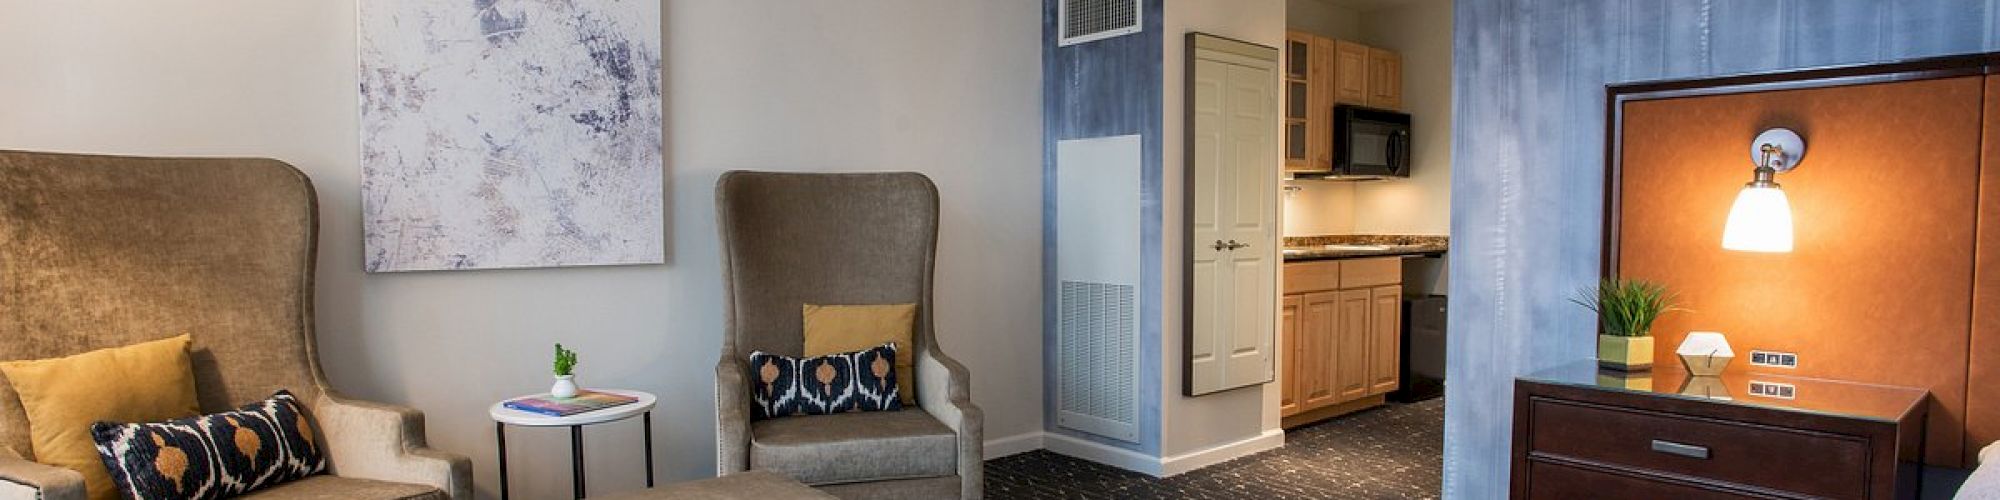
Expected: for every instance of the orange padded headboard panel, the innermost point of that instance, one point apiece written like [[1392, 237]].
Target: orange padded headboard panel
[[1982, 405], [1878, 287]]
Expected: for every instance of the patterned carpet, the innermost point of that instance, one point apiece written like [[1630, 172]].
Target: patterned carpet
[[1395, 451]]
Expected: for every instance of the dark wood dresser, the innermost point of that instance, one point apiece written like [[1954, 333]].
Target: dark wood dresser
[[1584, 433]]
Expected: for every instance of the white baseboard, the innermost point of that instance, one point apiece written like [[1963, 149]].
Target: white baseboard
[[1148, 465], [1015, 444], [1186, 462], [1103, 454]]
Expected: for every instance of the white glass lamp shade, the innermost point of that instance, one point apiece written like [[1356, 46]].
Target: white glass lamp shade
[[1760, 221]]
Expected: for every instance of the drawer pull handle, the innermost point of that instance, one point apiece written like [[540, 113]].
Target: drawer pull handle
[[1685, 450]]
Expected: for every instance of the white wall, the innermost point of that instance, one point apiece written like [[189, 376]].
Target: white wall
[[1419, 30], [949, 88], [1195, 424]]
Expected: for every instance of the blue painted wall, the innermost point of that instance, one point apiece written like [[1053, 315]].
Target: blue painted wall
[[1105, 88], [1527, 184]]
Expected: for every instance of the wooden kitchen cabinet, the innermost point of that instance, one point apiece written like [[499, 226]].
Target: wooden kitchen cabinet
[[1385, 336], [1317, 346], [1341, 332], [1320, 73], [1351, 357], [1321, 118], [1308, 102], [1288, 341], [1351, 77], [1302, 101], [1385, 79]]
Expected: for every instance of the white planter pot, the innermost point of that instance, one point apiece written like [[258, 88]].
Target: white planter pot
[[565, 387]]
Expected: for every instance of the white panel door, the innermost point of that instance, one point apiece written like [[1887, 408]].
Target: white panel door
[[1233, 176], [1207, 301], [1252, 149]]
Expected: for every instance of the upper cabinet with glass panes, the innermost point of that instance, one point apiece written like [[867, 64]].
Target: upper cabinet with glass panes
[[1321, 72]]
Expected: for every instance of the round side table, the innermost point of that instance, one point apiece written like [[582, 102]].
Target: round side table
[[504, 416]]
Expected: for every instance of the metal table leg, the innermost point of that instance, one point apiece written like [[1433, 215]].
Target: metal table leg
[[647, 421], [576, 458], [500, 436]]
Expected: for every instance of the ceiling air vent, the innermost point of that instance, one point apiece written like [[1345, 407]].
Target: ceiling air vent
[[1088, 20]]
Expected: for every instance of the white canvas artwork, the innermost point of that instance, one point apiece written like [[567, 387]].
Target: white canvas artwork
[[503, 133]]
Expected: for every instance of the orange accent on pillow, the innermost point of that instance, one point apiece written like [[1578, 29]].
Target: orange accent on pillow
[[834, 329]]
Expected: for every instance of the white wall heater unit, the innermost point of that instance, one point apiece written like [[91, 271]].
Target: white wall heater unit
[[1091, 20], [1097, 268]]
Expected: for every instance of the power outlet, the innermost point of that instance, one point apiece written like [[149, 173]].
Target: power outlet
[[1774, 359], [1773, 389]]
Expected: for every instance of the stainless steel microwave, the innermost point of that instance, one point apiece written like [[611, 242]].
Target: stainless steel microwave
[[1370, 143]]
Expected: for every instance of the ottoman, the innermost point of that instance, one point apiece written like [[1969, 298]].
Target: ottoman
[[750, 485]]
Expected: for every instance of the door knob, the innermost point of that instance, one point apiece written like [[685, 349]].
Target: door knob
[[1220, 246], [1234, 245]]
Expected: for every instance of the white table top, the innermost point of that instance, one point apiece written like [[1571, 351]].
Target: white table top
[[501, 413]]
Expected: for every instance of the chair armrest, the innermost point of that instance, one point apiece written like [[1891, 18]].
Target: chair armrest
[[732, 417], [945, 392], [1985, 480], [382, 442], [22, 479]]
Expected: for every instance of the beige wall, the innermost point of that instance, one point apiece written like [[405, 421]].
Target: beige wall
[[1319, 207], [1323, 18], [1195, 424], [1420, 204], [949, 88]]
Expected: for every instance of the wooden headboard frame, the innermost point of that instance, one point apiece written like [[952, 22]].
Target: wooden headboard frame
[[1617, 94]]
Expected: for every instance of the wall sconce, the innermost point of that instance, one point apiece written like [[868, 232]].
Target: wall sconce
[[1761, 219]]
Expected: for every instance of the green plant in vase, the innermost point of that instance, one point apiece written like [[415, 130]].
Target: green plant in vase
[[1626, 310], [565, 366]]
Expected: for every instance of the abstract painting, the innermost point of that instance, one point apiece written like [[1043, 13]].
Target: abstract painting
[[508, 133]]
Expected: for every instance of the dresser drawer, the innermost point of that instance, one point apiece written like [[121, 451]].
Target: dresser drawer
[[1798, 461], [1560, 482]]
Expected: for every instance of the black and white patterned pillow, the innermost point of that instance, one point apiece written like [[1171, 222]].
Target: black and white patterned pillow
[[212, 456], [863, 380]]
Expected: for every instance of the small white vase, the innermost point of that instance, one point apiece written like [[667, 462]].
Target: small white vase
[[565, 387]]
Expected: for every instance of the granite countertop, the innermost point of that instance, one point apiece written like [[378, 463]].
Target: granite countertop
[[1305, 248]]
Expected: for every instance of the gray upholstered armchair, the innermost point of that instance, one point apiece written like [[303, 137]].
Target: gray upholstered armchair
[[103, 251], [792, 239]]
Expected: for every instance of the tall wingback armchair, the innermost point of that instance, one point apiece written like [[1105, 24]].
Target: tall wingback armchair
[[790, 239], [103, 251]]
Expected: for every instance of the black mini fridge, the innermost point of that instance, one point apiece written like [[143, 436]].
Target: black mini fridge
[[1423, 349]]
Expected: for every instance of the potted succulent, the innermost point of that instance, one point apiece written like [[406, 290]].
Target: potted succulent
[[565, 373], [1625, 311]]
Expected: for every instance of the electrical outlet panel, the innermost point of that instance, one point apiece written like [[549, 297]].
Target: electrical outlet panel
[[1774, 359], [1773, 390]]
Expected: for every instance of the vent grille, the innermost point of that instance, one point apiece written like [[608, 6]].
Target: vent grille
[[1088, 20], [1098, 345]]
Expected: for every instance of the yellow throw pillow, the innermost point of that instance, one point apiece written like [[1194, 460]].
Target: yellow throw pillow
[[144, 382], [837, 329]]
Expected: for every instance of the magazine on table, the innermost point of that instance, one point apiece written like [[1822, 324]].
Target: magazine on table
[[585, 401]]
